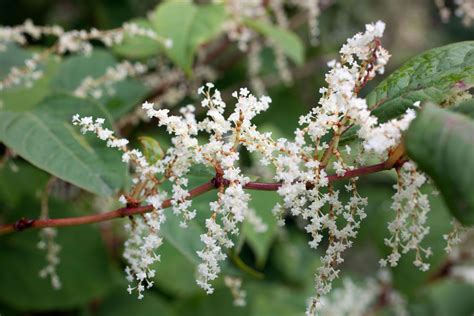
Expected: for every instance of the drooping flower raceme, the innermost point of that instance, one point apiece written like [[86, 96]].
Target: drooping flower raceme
[[95, 87], [408, 229], [301, 168], [74, 41], [354, 299]]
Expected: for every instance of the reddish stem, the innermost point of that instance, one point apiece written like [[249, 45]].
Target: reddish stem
[[24, 224]]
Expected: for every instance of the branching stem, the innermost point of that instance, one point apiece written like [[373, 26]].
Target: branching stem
[[130, 210]]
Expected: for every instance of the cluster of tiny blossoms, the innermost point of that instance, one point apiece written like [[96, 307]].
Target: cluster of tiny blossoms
[[95, 86], [248, 40], [353, 299], [25, 75], [47, 242], [241, 10], [74, 41], [463, 9], [300, 165], [408, 229], [144, 232], [235, 287], [461, 254]]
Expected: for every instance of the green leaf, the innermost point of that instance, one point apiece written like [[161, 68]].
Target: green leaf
[[46, 138], [260, 242], [84, 270], [289, 42], [442, 144], [71, 73], [437, 75], [138, 47], [188, 26], [151, 149]]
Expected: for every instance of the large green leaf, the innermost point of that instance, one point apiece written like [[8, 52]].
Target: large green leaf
[[188, 26], [46, 138], [436, 75], [291, 44], [442, 144]]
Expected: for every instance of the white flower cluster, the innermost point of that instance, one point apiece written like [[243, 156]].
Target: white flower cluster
[[79, 40], [362, 58], [144, 233], [18, 33], [140, 248], [313, 11], [352, 299], [25, 75], [387, 135], [173, 85], [75, 41], [239, 10], [460, 264], [464, 9], [254, 65], [300, 164], [248, 40], [455, 237], [47, 242], [408, 228], [95, 86], [235, 286], [220, 153]]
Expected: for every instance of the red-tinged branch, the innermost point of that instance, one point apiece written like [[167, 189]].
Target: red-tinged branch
[[23, 223], [131, 210]]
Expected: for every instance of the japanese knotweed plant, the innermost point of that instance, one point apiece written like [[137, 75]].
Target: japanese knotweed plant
[[338, 139], [301, 168]]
